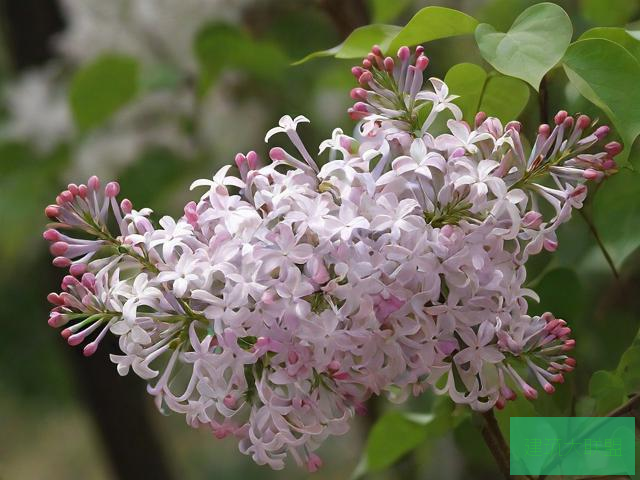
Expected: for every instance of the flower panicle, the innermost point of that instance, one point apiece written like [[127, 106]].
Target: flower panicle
[[289, 294]]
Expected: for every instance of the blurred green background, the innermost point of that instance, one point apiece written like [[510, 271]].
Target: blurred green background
[[209, 78]]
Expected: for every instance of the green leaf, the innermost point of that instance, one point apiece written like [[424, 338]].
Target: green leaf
[[618, 35], [496, 95], [101, 88], [534, 44], [608, 390], [358, 44], [430, 23], [218, 46], [467, 80], [562, 293], [608, 12], [394, 435], [504, 97], [629, 369], [433, 23], [386, 11], [607, 75], [616, 214]]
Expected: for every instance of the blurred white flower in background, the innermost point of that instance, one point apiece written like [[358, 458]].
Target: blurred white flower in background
[[150, 30], [38, 110], [159, 35]]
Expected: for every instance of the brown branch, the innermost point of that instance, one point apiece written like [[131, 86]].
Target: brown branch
[[628, 407], [596, 236], [496, 442], [543, 100]]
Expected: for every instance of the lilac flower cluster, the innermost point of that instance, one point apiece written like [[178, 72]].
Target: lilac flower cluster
[[290, 294]]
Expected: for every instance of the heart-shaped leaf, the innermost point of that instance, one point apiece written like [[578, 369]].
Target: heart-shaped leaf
[[496, 95], [467, 81], [534, 44], [433, 23], [606, 74], [618, 35], [504, 97]]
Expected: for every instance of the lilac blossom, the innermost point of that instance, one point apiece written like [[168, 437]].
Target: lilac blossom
[[286, 297]]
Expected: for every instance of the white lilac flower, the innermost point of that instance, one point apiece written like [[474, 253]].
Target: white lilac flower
[[287, 297]]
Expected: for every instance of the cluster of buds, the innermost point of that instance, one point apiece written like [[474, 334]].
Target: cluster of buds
[[288, 295]]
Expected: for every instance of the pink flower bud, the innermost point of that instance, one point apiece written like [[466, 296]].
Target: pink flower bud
[[59, 248], [73, 188], [361, 107], [357, 71], [277, 154], [568, 123], [126, 205], [404, 53], [358, 93], [389, 64], [591, 174], [78, 269], [376, 50], [613, 148], [602, 132], [76, 339], [66, 196], [56, 320], [89, 349], [529, 392], [514, 125], [365, 78], [55, 299], [583, 122], [314, 463], [51, 235], [544, 130], [609, 164], [112, 189], [480, 118], [366, 64], [419, 50], [560, 117], [240, 159], [94, 183], [52, 211], [82, 191], [422, 63], [61, 262], [549, 388]]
